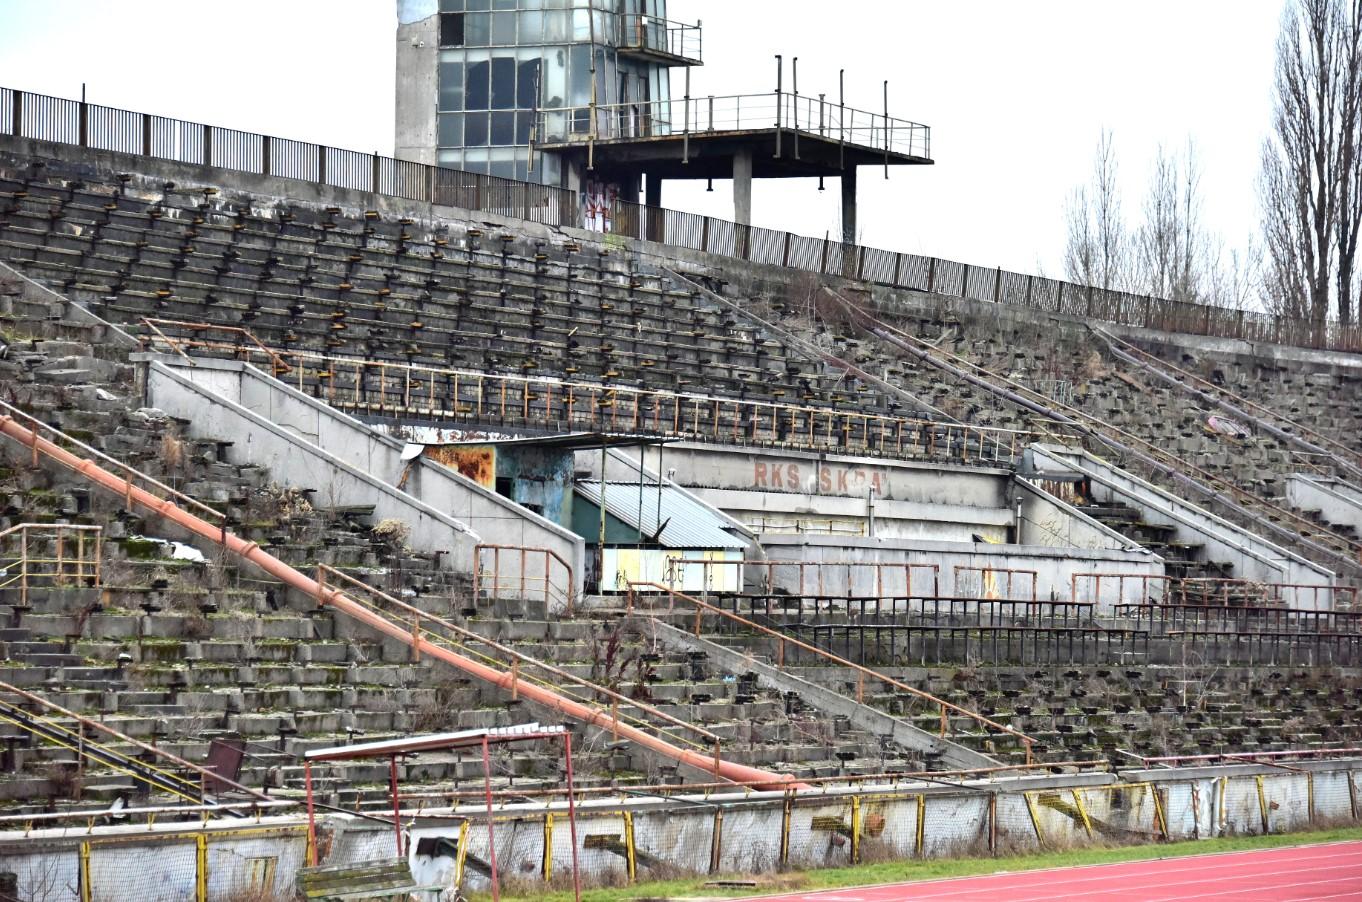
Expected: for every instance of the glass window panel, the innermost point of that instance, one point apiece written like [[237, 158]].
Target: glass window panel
[[477, 92], [503, 4], [503, 128], [451, 6], [531, 27], [555, 27], [554, 92], [477, 29], [527, 84], [478, 5], [451, 130], [523, 122], [503, 169], [452, 159], [475, 130], [580, 76], [475, 160], [451, 29], [503, 29], [581, 25], [503, 83], [451, 85], [522, 170]]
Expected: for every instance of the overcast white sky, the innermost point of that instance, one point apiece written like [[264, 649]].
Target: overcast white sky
[[1016, 94]]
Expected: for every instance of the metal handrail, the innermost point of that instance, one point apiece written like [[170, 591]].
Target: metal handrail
[[1203, 387], [415, 382], [639, 31], [1351, 550], [418, 617], [204, 774], [154, 325], [35, 425], [290, 576], [60, 564], [862, 672], [568, 595]]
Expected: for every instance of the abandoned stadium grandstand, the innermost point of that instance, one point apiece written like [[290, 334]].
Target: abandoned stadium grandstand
[[820, 553]]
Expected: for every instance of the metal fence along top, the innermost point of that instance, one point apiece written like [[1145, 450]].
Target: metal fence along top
[[37, 116]]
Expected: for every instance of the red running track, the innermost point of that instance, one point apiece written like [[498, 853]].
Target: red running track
[[1330, 872]]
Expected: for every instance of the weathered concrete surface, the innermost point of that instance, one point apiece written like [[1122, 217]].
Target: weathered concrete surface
[[830, 702], [1253, 557], [304, 442], [1337, 502], [959, 566], [418, 86]]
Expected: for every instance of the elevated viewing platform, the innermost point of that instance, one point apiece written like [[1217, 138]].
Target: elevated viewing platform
[[788, 136]]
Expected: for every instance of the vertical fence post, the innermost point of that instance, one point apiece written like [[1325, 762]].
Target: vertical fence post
[[146, 135], [931, 274], [208, 145], [265, 154], [374, 179], [321, 164], [83, 124], [86, 891], [201, 868], [17, 126]]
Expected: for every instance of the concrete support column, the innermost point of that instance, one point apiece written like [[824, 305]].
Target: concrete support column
[[849, 205], [742, 187]]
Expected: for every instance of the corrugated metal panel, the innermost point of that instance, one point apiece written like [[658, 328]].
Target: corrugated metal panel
[[689, 523]]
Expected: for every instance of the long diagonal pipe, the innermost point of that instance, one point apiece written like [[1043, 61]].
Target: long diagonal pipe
[[252, 552]]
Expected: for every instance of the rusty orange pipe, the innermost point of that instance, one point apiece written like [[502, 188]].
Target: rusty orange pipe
[[250, 551]]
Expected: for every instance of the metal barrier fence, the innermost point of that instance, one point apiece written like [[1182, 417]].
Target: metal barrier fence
[[387, 388], [629, 840], [27, 115]]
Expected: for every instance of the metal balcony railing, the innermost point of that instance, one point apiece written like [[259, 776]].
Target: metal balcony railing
[[813, 116], [651, 36]]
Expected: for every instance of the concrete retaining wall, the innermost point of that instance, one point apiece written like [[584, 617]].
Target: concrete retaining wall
[[1054, 568], [303, 442], [1338, 502], [732, 833]]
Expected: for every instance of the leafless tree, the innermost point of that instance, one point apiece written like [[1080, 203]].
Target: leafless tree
[[1097, 245], [1175, 256], [1309, 183]]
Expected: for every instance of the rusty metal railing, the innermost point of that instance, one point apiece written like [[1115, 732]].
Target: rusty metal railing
[[279, 366], [1012, 579], [391, 388], [889, 579], [493, 585], [54, 554], [863, 674], [1209, 591], [522, 667], [35, 429]]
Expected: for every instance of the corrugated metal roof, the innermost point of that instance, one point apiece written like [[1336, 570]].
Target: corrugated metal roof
[[689, 524]]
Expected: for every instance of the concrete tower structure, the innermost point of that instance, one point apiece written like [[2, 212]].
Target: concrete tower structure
[[582, 94]]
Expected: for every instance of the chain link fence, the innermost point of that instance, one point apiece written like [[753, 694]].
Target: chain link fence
[[624, 841]]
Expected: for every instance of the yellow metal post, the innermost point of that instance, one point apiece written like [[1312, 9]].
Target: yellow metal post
[[921, 826], [630, 857], [855, 829], [201, 868], [86, 891]]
